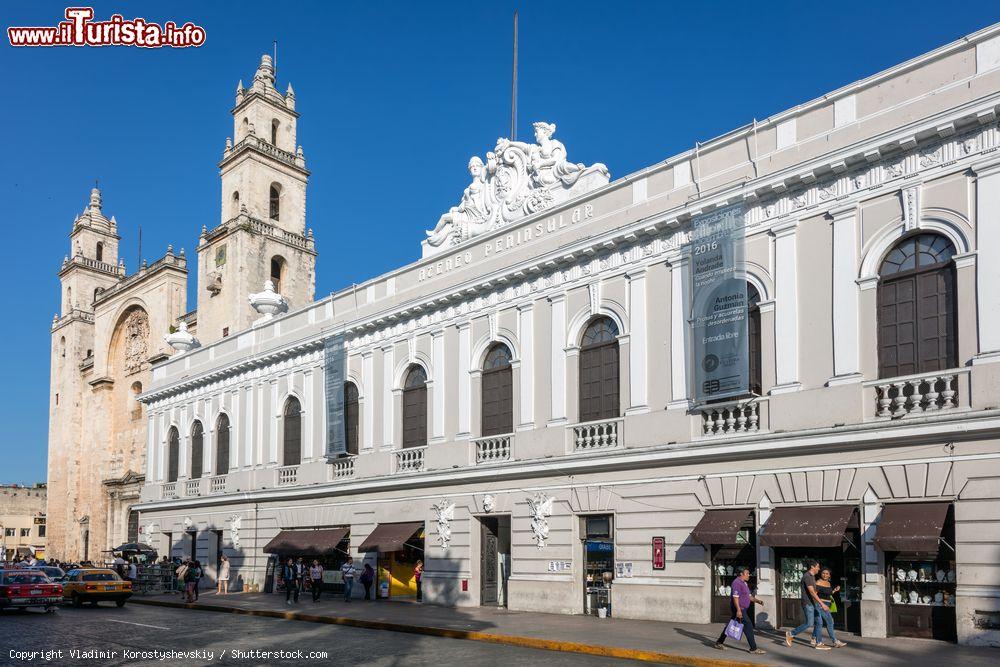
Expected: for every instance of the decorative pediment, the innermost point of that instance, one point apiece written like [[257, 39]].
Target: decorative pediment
[[516, 180]]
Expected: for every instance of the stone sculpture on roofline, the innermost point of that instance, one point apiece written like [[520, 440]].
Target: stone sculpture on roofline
[[516, 180]]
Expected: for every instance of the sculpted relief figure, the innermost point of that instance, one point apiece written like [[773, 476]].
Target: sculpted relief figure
[[517, 179]]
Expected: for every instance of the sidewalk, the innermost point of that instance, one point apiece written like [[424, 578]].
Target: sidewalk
[[650, 641]]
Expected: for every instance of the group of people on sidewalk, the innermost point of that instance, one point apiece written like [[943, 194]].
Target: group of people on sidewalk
[[298, 576], [189, 573], [817, 602]]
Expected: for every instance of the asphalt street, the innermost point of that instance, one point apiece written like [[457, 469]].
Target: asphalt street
[[219, 639]]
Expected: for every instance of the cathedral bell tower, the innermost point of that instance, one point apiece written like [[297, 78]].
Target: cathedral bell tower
[[262, 233]]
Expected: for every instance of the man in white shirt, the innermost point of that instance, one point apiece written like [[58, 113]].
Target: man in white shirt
[[347, 570]]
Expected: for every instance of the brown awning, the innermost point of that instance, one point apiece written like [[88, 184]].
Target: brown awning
[[307, 542], [719, 527], [911, 527], [390, 536], [811, 526]]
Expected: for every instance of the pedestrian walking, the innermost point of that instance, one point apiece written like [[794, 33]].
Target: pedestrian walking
[[316, 579], [741, 600], [418, 574], [826, 590], [301, 572], [348, 571], [180, 573], [291, 588], [367, 579], [191, 576], [133, 572], [199, 573], [222, 586], [811, 606]]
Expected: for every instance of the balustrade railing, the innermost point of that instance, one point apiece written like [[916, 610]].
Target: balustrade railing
[[493, 448], [288, 475], [342, 469], [169, 490], [217, 485], [916, 394], [410, 460], [731, 418], [603, 434], [192, 487]]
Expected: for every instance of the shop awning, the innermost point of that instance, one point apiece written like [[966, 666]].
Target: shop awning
[[391, 536], [720, 527], [24, 551], [812, 526], [321, 542], [911, 527]]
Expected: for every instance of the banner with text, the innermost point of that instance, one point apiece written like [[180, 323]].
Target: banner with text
[[719, 304], [335, 371]]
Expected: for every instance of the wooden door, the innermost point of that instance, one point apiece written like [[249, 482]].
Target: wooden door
[[936, 321], [599, 382], [415, 416], [488, 573], [498, 401], [897, 327]]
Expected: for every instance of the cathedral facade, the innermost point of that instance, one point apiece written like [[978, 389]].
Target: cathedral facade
[[111, 325]]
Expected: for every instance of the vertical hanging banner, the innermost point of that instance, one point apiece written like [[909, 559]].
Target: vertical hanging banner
[[719, 305], [335, 374]]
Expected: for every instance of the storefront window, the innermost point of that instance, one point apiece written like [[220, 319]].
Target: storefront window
[[599, 564]]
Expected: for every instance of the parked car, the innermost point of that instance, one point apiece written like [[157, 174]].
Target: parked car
[[21, 589], [52, 572], [95, 585]]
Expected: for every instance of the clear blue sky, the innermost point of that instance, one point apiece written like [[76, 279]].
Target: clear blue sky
[[394, 97]]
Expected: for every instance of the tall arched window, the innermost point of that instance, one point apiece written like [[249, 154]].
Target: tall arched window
[[100, 251], [274, 201], [236, 203], [222, 445], [197, 450], [599, 371], [351, 414], [292, 441], [244, 128], [62, 346], [916, 307], [173, 453], [69, 299], [415, 408], [753, 339], [274, 132], [277, 269], [498, 391]]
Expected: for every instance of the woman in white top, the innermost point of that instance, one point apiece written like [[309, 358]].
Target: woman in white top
[[223, 585]]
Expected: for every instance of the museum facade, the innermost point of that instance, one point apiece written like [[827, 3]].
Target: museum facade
[[516, 407]]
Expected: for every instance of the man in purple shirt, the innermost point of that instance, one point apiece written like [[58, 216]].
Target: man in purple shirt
[[741, 603]]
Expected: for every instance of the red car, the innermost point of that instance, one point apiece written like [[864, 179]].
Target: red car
[[26, 588]]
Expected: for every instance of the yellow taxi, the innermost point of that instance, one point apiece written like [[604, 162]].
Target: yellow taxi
[[95, 585]]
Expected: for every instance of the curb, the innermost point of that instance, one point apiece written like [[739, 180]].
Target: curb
[[471, 635]]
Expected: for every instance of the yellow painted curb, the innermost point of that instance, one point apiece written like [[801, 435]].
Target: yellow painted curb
[[472, 635]]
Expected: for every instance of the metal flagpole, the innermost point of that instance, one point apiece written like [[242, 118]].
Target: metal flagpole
[[139, 264], [513, 87]]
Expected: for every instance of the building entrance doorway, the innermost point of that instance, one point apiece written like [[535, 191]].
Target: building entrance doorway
[[494, 560]]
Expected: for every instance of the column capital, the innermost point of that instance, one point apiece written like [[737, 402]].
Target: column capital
[[841, 212], [786, 228]]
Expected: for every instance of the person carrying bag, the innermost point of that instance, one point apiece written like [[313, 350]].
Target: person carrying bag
[[741, 624]]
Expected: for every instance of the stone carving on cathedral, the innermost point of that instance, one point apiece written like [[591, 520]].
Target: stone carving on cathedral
[[136, 337], [517, 179]]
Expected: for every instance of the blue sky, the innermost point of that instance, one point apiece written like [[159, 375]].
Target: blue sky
[[394, 97]]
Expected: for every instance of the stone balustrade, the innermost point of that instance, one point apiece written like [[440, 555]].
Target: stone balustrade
[[917, 394], [288, 475], [410, 459], [169, 490], [730, 418], [493, 448], [192, 487], [217, 485], [341, 469], [602, 434]]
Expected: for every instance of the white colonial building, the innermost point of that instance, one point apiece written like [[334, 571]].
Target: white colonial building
[[517, 407]]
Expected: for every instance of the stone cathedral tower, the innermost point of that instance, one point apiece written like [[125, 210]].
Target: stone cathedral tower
[[262, 234]]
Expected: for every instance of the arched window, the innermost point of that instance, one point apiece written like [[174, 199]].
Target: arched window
[[753, 339], [62, 346], [274, 199], [173, 453], [415, 408], [100, 251], [292, 441], [197, 450], [222, 445], [274, 132], [277, 269], [69, 299], [136, 405], [916, 307], [351, 417], [245, 128], [498, 391], [236, 203], [599, 371]]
